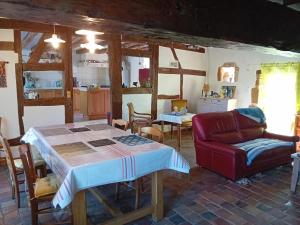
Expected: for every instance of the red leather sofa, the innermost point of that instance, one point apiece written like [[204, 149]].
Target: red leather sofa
[[215, 134]]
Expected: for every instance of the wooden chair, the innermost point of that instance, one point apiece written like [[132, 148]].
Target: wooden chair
[[14, 172], [39, 189], [138, 184], [151, 132], [138, 119], [15, 166], [181, 104], [121, 124]]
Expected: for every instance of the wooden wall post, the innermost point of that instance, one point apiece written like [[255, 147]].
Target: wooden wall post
[[115, 64], [154, 75], [68, 77]]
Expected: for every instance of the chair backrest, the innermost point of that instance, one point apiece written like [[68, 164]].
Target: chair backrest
[[28, 166], [152, 132], [9, 160], [130, 112], [121, 124], [179, 103]]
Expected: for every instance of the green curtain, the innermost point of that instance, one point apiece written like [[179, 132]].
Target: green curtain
[[279, 95]]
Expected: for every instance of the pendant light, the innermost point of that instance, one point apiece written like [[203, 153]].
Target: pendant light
[[54, 40], [91, 44]]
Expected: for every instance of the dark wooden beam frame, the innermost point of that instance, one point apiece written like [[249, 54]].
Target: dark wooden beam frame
[[84, 50], [168, 97], [38, 51], [163, 70], [43, 66], [136, 52], [7, 46]]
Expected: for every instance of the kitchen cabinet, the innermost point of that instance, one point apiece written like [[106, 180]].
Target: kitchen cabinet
[[76, 100], [205, 105], [95, 103]]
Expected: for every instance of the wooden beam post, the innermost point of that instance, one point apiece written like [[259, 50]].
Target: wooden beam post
[[115, 63], [38, 51], [181, 75], [68, 77], [19, 79], [154, 75]]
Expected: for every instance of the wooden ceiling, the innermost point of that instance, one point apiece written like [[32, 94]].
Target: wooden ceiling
[[252, 25]]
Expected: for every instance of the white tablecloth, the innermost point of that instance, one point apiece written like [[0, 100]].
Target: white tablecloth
[[79, 170], [168, 117]]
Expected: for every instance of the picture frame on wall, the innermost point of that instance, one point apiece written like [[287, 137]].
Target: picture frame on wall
[[3, 80]]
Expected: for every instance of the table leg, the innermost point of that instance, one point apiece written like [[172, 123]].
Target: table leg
[[162, 130], [295, 175], [178, 136], [79, 209], [157, 196]]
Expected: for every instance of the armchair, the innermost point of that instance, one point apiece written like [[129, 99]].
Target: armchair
[[137, 119]]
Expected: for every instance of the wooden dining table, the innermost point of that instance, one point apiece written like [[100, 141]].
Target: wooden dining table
[[88, 154]]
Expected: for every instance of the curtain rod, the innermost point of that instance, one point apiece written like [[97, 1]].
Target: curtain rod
[[274, 64]]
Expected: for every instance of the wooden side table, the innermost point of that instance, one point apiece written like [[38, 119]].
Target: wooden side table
[[296, 169]]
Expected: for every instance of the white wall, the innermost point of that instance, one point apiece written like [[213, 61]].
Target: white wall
[[8, 96], [170, 84], [248, 62]]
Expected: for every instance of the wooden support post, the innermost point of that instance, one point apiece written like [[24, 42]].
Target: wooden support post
[[39, 49], [19, 79], [154, 76], [157, 196], [79, 209], [115, 64], [68, 77], [181, 75]]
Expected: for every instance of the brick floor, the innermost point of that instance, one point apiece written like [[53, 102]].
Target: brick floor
[[201, 198]]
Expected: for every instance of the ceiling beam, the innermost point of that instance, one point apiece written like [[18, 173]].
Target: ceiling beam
[[290, 2], [206, 23]]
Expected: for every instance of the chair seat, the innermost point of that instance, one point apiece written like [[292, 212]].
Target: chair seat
[[46, 186], [186, 123], [37, 163]]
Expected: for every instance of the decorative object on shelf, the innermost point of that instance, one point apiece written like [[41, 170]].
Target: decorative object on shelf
[[91, 44], [144, 78], [228, 91], [135, 83], [3, 81], [205, 89], [228, 72], [54, 40]]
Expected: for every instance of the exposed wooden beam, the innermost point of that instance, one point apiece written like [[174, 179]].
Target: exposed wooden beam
[[154, 77], [135, 52], [183, 47], [290, 2], [43, 66], [207, 23], [161, 97], [115, 64], [39, 49], [163, 70], [44, 101], [181, 74], [136, 90], [84, 50], [7, 46]]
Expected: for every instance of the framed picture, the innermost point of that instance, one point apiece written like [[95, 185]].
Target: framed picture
[[3, 82]]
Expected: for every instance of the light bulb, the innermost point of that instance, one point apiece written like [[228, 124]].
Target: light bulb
[[55, 44]]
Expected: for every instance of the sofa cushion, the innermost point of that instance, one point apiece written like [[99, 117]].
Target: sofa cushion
[[218, 126], [256, 147]]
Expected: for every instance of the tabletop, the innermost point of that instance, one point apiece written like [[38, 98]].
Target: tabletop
[[169, 117], [89, 154]]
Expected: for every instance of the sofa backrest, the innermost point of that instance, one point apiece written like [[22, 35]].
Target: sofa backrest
[[226, 127], [248, 128], [218, 126]]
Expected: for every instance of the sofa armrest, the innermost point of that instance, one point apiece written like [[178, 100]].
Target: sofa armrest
[[224, 159], [280, 137], [226, 148]]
